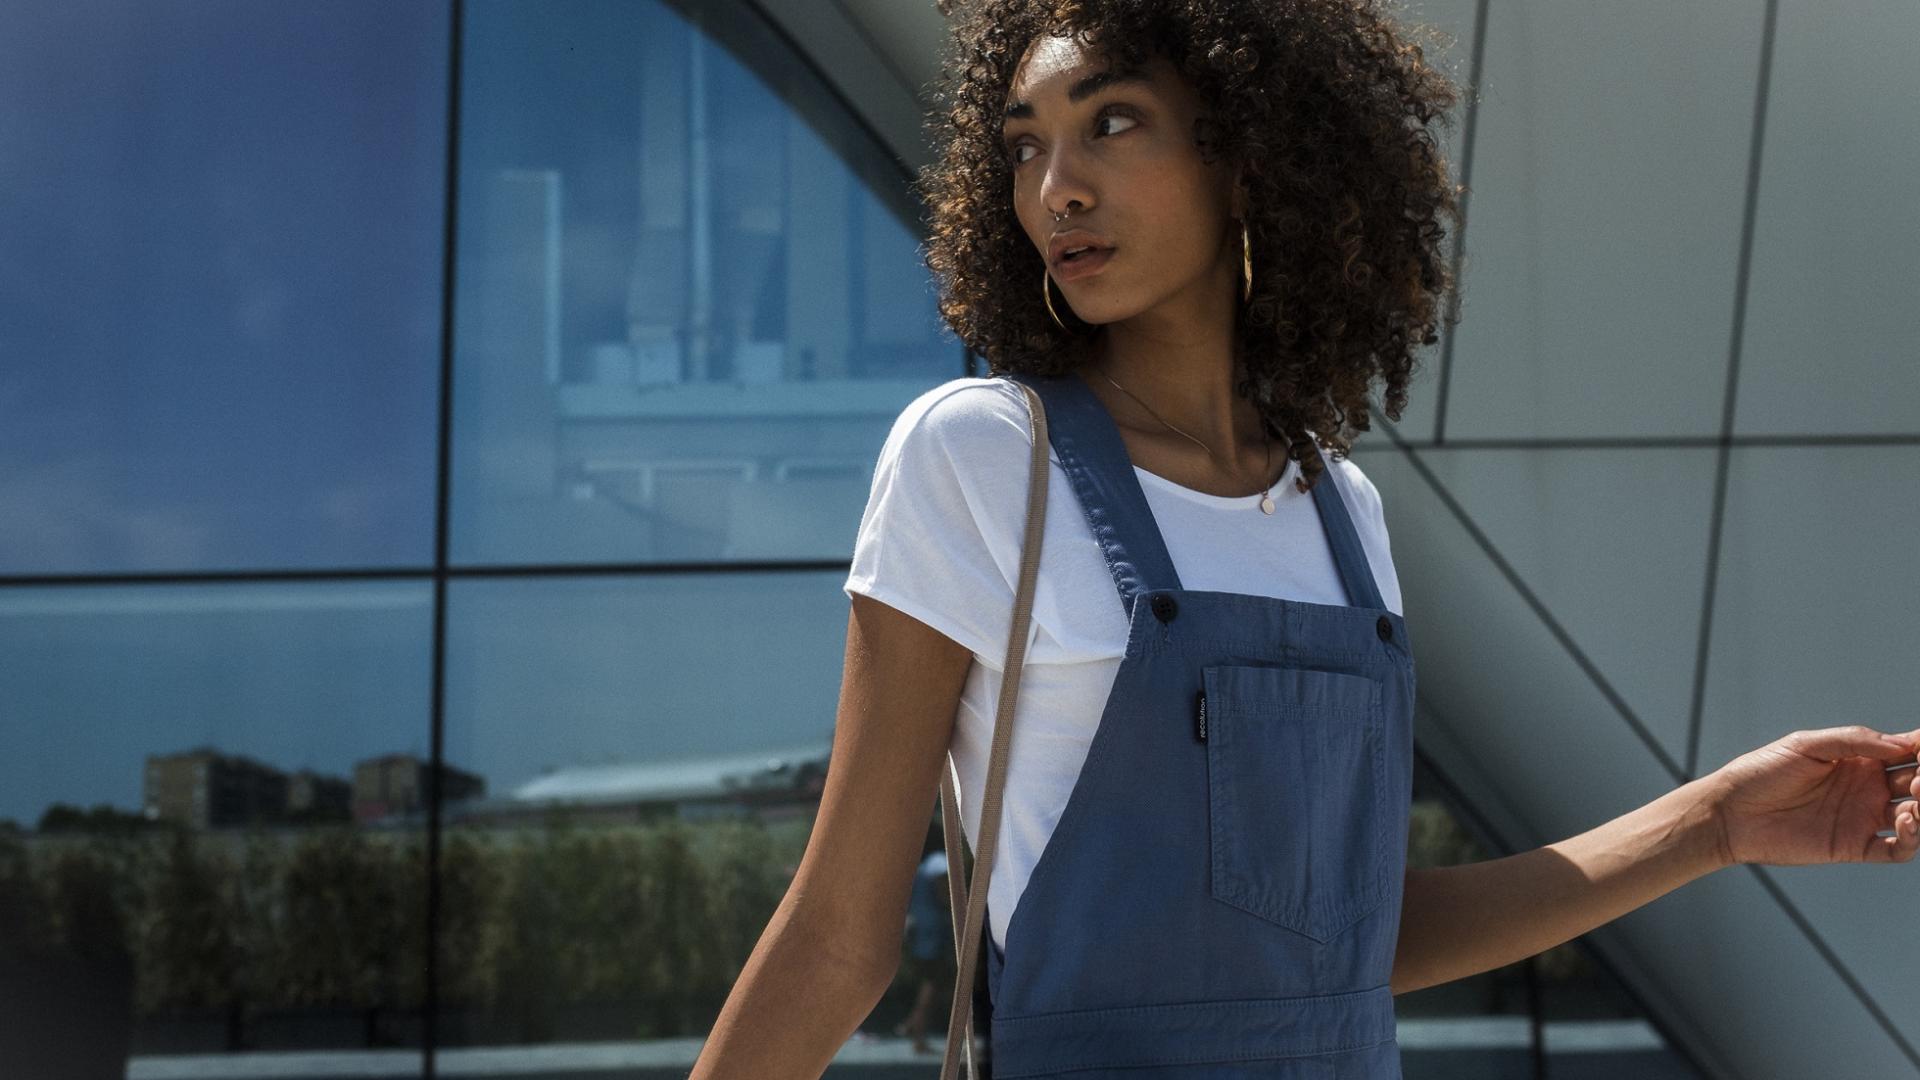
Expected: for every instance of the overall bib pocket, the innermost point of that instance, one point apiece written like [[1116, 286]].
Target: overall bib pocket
[[1296, 789]]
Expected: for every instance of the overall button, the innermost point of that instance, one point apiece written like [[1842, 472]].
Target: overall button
[[1164, 607], [1385, 627]]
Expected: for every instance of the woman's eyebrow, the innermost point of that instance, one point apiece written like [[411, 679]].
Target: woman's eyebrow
[[1082, 90]]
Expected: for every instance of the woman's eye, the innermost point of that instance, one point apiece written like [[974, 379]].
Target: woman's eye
[[1013, 152]]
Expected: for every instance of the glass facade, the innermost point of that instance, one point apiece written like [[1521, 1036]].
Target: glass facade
[[290, 766], [688, 299], [220, 315]]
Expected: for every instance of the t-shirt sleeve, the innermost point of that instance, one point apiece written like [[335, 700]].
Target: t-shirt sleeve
[[939, 538]]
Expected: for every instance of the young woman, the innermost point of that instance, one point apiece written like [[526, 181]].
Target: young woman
[[1200, 865]]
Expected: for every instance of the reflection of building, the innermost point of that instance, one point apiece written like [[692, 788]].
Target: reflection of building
[[313, 797], [396, 784], [205, 789], [768, 784]]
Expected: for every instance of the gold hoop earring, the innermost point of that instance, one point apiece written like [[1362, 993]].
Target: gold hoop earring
[[1246, 262], [1046, 290]]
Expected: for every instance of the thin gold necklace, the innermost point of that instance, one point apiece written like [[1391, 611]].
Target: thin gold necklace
[[1266, 497]]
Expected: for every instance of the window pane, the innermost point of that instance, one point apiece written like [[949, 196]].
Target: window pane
[[689, 296], [653, 750], [206, 839], [220, 301]]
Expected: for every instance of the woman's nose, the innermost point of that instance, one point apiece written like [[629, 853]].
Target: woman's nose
[[1062, 186]]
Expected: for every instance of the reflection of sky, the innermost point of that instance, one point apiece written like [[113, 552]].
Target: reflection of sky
[[219, 350], [219, 306], [540, 673], [587, 670], [296, 676]]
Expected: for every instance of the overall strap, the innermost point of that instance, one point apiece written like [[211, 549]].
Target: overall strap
[[1095, 460], [969, 902], [1355, 572]]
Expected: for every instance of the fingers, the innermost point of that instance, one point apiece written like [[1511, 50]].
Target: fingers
[[1902, 781], [1853, 740], [1905, 841]]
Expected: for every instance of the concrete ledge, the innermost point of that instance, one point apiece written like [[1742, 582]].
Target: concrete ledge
[[874, 1056]]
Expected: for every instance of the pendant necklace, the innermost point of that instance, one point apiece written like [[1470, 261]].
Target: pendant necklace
[[1266, 497]]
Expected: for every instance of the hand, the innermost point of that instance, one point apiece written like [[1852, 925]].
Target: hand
[[1819, 797]]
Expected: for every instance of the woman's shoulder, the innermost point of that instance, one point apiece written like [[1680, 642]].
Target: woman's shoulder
[[1366, 508], [1355, 478], [967, 416]]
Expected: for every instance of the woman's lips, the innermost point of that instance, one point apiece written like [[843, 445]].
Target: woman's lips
[[1090, 263]]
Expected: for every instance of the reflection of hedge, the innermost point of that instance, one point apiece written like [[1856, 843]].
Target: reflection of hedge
[[530, 921], [660, 913], [651, 920], [327, 917]]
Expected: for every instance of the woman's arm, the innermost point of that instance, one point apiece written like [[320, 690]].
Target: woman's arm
[[1458, 921], [833, 945], [1808, 797]]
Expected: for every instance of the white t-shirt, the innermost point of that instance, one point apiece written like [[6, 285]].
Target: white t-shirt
[[940, 540]]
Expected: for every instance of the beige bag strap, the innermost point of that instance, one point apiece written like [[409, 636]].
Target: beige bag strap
[[971, 899]]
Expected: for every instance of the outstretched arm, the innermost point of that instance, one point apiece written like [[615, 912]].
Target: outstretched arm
[[1458, 921], [1810, 797]]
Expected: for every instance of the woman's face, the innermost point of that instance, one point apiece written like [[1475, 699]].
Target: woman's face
[[1119, 152]]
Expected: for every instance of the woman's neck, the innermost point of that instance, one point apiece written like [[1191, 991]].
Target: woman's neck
[[1160, 384], [1236, 457]]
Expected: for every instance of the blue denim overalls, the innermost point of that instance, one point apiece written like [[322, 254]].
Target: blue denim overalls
[[1220, 898]]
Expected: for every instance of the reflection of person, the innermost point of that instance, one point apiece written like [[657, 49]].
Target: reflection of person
[[930, 962], [1202, 855]]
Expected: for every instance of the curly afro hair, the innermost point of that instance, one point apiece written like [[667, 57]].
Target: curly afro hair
[[1323, 108]]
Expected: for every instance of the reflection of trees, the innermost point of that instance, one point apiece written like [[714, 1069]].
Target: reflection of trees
[[66, 978], [746, 884], [653, 920], [564, 931], [26, 923], [259, 910], [567, 931], [84, 885], [183, 933], [103, 818], [473, 879], [354, 930]]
